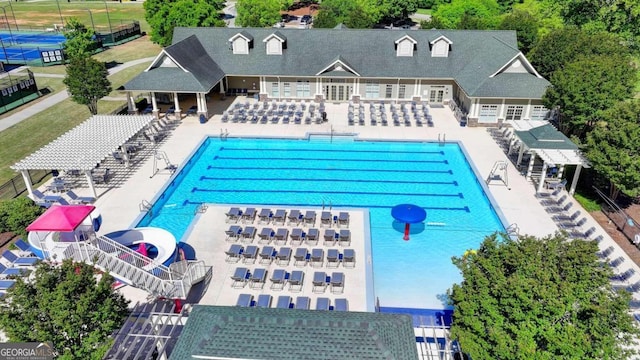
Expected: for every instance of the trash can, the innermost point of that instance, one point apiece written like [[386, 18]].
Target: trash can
[[324, 116], [203, 119]]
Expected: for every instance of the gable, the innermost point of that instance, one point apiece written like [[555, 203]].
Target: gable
[[405, 46], [339, 65], [519, 65]]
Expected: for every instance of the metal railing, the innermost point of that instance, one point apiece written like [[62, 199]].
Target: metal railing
[[16, 186], [625, 223]]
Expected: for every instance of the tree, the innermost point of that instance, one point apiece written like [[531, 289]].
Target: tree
[[612, 148], [81, 41], [532, 298], [451, 15], [399, 9], [164, 15], [546, 12], [66, 306], [258, 13], [584, 89], [17, 214], [87, 82], [566, 45], [357, 14], [525, 25]]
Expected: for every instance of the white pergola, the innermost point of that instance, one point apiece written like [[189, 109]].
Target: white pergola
[[540, 138], [84, 146]]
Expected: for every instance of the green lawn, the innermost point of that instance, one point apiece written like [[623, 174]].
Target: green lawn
[[123, 76], [424, 11]]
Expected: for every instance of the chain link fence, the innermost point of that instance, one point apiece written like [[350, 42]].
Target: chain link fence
[[625, 223]]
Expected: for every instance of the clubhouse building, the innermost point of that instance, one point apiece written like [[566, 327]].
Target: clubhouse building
[[482, 72]]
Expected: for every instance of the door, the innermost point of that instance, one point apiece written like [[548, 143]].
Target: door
[[436, 96]]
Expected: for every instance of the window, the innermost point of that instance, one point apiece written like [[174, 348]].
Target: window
[[274, 47], [488, 113], [372, 89], [402, 90], [539, 112], [514, 112], [303, 89], [388, 93], [275, 89], [286, 92]]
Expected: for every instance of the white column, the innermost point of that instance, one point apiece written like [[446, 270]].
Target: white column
[[222, 88], [574, 182], [27, 182], [131, 104], [532, 160], [527, 114], [203, 99], [176, 102], [90, 182], [477, 108], [560, 171], [501, 113], [520, 155], [154, 102], [416, 88], [543, 176]]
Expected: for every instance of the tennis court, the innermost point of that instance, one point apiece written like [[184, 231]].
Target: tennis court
[[22, 47]]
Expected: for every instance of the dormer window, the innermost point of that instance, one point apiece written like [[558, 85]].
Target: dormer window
[[241, 42], [440, 47], [405, 46], [275, 43]]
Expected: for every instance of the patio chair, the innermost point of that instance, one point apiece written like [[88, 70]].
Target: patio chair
[[233, 215], [13, 272], [296, 280], [333, 258], [310, 218], [317, 257], [7, 284], [343, 219], [258, 278], [616, 262], [337, 282], [584, 235], [281, 236], [302, 303], [234, 252], [19, 261], [554, 202], [294, 217], [564, 217], [623, 276], [300, 257], [341, 305], [345, 238], [349, 258], [265, 216], [75, 199], [267, 254], [250, 254], [279, 217], [284, 302], [297, 236], [264, 301], [330, 237], [278, 279], [319, 282], [283, 257], [25, 249], [556, 185], [265, 236], [249, 215], [312, 237], [606, 252], [240, 277], [233, 233], [245, 300], [323, 303], [248, 234]]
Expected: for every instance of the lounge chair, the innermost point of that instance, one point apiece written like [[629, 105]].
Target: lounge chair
[[296, 280], [284, 302], [13, 272], [564, 217], [555, 202], [7, 284], [341, 305], [312, 236], [248, 234], [573, 225], [326, 219], [75, 199], [267, 254], [294, 217], [42, 199], [317, 257], [19, 261], [606, 252], [303, 303], [278, 279], [553, 185], [264, 301], [297, 236], [583, 235], [250, 254], [265, 216], [258, 278], [345, 238], [623, 276], [25, 249], [330, 237], [279, 217], [333, 258], [249, 216], [349, 258], [343, 219], [265, 236], [309, 218], [240, 277], [283, 257], [323, 303], [244, 300], [616, 262], [100, 175], [234, 252], [233, 215], [233, 233], [281, 236], [300, 257], [337, 282], [319, 281]]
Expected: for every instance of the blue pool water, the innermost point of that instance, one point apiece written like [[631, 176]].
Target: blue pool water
[[350, 174]]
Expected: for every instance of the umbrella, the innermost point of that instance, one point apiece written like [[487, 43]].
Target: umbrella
[[408, 214], [142, 249]]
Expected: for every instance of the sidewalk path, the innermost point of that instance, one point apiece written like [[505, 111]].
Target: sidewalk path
[[30, 110]]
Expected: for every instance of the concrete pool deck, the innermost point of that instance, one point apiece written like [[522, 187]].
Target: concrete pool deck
[[517, 202]]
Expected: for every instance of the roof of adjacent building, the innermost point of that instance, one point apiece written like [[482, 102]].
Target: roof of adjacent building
[[474, 60], [228, 332], [546, 137]]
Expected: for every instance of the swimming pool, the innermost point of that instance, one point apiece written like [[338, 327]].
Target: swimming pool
[[349, 174]]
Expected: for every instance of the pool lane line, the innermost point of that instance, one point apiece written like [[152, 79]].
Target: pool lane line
[[328, 192], [342, 151], [331, 159], [295, 168], [454, 183]]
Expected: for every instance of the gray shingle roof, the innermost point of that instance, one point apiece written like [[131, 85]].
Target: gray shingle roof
[[474, 56], [546, 137], [267, 333]]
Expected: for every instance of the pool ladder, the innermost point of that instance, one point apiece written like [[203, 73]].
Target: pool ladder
[[442, 140], [323, 204], [145, 206], [224, 134]]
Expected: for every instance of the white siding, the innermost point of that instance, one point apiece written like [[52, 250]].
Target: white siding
[[440, 49], [405, 48], [274, 47], [240, 46]]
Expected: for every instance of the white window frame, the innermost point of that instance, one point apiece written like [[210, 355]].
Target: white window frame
[[402, 91], [488, 113], [286, 89], [388, 91], [372, 89], [514, 112], [275, 89], [539, 112], [303, 88]]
